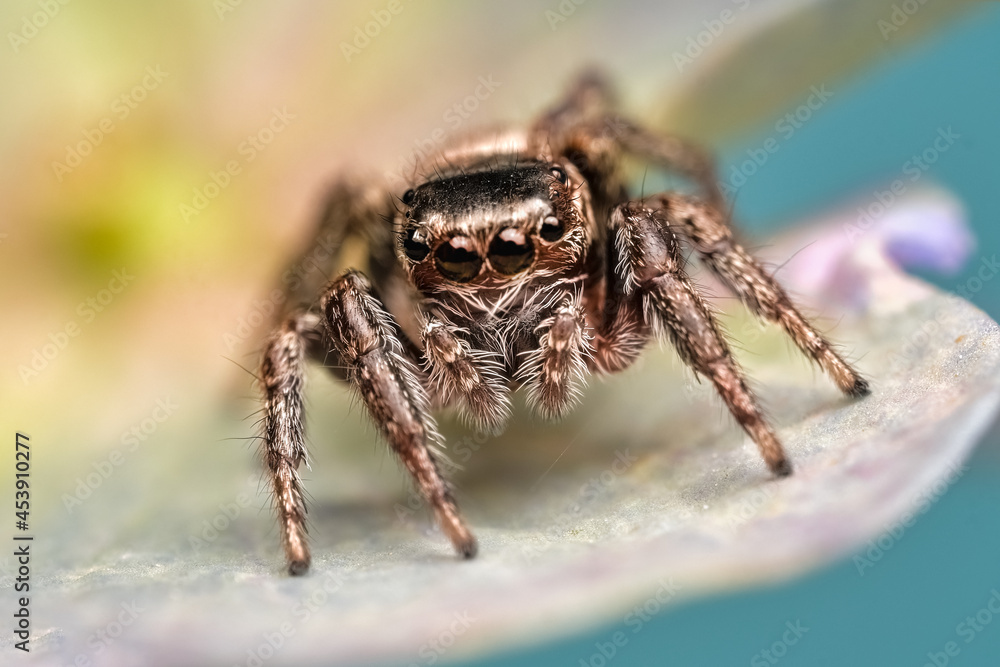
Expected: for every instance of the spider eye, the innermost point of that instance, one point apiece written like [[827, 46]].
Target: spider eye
[[559, 173], [408, 197], [511, 251], [415, 250], [552, 229], [457, 260]]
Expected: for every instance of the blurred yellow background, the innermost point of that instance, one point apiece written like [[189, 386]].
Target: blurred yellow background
[[119, 115]]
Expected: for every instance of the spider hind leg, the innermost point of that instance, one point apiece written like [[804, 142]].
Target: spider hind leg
[[713, 240]]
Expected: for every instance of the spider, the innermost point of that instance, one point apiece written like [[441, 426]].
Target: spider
[[519, 259]]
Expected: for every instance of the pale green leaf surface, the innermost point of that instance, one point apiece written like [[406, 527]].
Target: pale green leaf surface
[[648, 486]]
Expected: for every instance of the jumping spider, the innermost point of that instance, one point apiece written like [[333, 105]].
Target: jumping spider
[[520, 259]]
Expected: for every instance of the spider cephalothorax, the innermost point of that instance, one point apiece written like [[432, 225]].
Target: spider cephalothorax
[[522, 261], [485, 236]]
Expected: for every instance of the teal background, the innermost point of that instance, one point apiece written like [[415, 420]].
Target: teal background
[[944, 567]]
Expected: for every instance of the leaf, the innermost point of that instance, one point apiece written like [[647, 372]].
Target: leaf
[[647, 495], [737, 84]]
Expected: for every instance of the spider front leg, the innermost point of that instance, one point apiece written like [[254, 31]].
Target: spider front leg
[[367, 340], [704, 226], [284, 442], [652, 278], [459, 373]]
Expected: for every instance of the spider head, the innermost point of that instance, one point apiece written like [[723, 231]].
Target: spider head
[[494, 228]]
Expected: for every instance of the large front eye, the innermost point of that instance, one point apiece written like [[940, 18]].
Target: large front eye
[[552, 229], [457, 260], [416, 250], [511, 251]]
